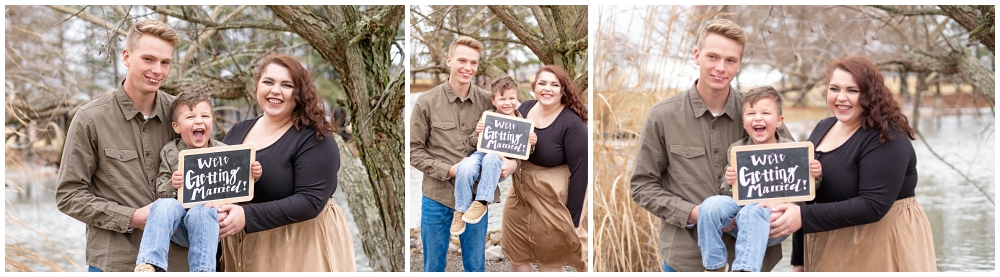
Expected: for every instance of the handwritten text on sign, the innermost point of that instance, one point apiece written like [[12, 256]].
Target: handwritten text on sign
[[505, 135], [218, 174], [772, 172]]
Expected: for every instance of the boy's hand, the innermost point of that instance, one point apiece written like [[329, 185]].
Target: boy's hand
[[177, 179], [480, 126], [815, 168], [532, 138], [730, 175], [256, 170]]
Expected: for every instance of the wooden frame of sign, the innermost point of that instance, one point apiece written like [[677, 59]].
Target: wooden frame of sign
[[217, 174], [511, 140], [772, 172]]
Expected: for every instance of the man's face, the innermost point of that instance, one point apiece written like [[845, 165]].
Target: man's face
[[463, 62], [718, 61], [148, 64]]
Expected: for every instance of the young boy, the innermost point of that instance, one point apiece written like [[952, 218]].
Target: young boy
[[749, 224], [483, 167], [197, 228]]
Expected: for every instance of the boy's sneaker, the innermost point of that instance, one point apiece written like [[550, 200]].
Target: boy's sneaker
[[475, 213], [145, 268], [457, 225]]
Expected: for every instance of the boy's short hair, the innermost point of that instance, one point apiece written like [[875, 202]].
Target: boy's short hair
[[501, 84], [761, 93], [189, 98], [153, 28], [724, 28], [466, 41]]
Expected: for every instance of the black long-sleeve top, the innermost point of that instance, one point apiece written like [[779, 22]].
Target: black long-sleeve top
[[300, 175], [564, 142], [861, 180]]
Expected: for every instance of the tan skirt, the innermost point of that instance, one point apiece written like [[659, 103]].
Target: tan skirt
[[319, 244], [537, 227], [901, 241]]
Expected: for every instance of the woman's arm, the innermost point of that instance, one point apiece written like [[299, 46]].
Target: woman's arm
[[575, 147]]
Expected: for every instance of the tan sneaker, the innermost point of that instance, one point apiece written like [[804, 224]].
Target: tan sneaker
[[475, 212], [145, 268], [457, 225]]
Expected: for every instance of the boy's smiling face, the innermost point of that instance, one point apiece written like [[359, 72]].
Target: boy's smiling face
[[761, 119], [505, 101], [194, 124]]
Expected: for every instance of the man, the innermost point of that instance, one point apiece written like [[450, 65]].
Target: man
[[443, 119], [682, 155], [111, 156]]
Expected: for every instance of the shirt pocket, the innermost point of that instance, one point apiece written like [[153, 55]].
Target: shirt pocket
[[688, 162], [122, 166], [446, 133]]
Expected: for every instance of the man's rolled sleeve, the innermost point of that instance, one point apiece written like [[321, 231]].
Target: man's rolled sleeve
[[647, 181], [73, 194]]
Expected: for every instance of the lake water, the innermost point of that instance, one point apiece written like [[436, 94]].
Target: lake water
[[34, 223]]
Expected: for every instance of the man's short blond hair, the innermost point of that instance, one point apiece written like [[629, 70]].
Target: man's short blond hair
[[466, 41], [150, 27], [726, 29]]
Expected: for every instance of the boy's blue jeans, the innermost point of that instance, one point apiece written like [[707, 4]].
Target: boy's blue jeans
[[197, 229], [435, 235], [481, 167], [752, 228]]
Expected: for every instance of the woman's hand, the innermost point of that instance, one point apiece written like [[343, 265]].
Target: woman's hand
[[508, 167], [815, 169], [233, 221], [730, 175], [787, 223], [177, 179]]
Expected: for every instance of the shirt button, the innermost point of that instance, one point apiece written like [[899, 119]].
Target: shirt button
[[147, 153], [121, 157], [713, 126], [716, 152]]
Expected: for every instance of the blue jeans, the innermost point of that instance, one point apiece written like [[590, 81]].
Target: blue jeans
[[479, 167], [435, 234], [752, 228], [667, 268], [91, 268], [197, 229]]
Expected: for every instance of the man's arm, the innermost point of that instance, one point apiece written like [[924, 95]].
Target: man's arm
[[419, 134], [650, 166], [73, 195]]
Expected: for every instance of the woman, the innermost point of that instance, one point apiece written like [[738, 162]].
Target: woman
[[865, 216], [543, 210], [291, 224]]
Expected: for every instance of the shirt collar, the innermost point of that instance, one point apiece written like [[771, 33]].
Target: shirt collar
[[129, 111], [698, 105], [452, 96]]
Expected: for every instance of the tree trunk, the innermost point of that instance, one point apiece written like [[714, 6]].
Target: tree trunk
[[359, 46], [979, 20], [555, 46]]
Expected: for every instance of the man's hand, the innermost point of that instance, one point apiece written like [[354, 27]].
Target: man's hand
[[730, 175], [693, 216], [138, 220], [177, 179], [509, 165], [256, 170], [453, 171]]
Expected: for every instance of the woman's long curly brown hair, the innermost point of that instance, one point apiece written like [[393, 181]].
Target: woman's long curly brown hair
[[880, 109], [570, 97], [308, 112]]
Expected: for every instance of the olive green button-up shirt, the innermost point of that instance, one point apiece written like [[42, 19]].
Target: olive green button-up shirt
[[440, 126], [680, 162], [108, 170]]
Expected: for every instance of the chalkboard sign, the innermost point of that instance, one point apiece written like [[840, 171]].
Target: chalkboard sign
[[218, 174], [505, 135], [773, 172]]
